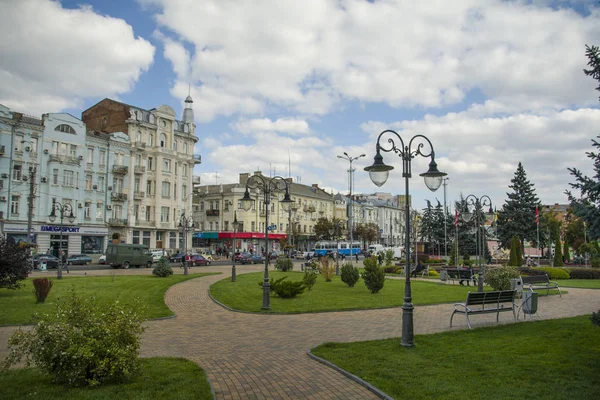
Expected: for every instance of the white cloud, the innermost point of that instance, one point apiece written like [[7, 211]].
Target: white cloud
[[292, 126], [55, 57]]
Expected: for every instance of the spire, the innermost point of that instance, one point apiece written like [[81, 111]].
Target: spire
[[188, 112]]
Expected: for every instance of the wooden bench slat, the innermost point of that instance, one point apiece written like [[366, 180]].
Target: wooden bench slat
[[497, 301]]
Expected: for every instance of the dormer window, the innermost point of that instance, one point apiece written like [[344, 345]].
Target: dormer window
[[65, 128], [163, 140]]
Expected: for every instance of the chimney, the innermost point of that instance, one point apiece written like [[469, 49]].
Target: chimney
[[315, 185]]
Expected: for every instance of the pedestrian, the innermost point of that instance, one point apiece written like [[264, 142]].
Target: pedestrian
[[356, 257], [63, 260], [380, 258]]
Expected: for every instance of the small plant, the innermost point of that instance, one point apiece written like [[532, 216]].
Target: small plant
[[350, 274], [595, 318], [284, 264], [373, 275], [499, 277], [388, 256], [285, 289], [310, 278], [326, 268], [162, 269], [41, 289], [82, 342]]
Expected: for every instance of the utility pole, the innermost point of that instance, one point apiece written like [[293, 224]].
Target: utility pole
[[31, 197]]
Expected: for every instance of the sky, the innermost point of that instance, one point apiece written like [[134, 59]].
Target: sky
[[285, 86]]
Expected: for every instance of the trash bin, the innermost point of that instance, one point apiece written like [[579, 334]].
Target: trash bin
[[517, 284], [443, 275], [42, 266], [530, 303]]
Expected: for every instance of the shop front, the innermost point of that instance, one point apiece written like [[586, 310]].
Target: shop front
[[251, 241]]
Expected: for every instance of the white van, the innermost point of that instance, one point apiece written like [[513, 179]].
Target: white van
[[375, 248], [158, 254]]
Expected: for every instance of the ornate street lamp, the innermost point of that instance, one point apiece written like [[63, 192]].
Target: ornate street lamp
[[186, 224], [269, 187], [62, 209], [351, 209], [235, 227], [478, 204], [336, 230], [379, 173]]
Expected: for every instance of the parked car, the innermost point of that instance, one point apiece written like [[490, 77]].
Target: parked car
[[239, 256], [207, 256], [51, 261], [158, 254], [177, 258], [252, 259], [102, 259], [300, 255], [79, 259], [199, 259]]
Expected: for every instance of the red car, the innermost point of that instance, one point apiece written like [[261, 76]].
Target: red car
[[198, 259]]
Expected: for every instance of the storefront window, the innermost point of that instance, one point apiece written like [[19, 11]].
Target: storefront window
[[146, 238], [136, 237], [92, 244], [173, 240]]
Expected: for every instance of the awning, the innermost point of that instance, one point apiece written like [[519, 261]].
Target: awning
[[206, 235], [251, 235]]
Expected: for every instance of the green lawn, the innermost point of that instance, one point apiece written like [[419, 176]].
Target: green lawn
[[161, 378], [18, 306], [246, 295], [556, 359], [579, 283]]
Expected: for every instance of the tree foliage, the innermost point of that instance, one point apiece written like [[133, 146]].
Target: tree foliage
[[367, 233], [15, 263], [517, 216], [373, 275]]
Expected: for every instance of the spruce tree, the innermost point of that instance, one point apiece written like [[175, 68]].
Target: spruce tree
[[519, 252], [517, 217], [466, 230]]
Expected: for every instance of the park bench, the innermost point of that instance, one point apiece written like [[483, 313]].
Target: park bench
[[486, 303], [540, 282], [462, 275]]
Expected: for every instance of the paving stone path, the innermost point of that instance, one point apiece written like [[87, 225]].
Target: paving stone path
[[253, 356]]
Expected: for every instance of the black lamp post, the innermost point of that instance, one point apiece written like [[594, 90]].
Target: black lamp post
[[186, 224], [235, 226], [269, 187], [62, 209], [351, 209], [478, 204], [335, 230], [547, 235], [379, 172]]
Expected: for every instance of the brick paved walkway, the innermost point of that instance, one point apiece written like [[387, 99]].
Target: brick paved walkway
[[252, 356]]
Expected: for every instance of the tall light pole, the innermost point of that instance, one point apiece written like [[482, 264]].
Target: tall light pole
[[445, 181], [478, 203], [235, 226], [186, 224], [351, 209], [379, 172], [269, 187], [62, 209]]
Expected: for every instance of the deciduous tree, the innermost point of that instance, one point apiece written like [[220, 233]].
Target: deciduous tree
[[15, 263]]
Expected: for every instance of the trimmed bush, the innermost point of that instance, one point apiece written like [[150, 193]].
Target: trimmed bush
[[326, 268], [373, 275], [434, 273], [499, 277], [595, 261], [286, 289], [82, 343], [162, 269], [284, 264], [310, 278], [41, 289], [584, 273], [350, 274], [530, 271], [554, 273], [390, 269]]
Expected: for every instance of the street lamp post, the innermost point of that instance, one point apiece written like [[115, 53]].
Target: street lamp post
[[269, 187], [445, 182], [186, 224], [478, 203], [336, 229], [547, 235], [351, 214], [62, 209], [235, 226], [379, 172]]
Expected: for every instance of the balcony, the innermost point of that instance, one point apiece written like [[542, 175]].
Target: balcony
[[212, 213], [149, 194], [139, 195], [117, 222], [120, 169], [197, 159], [143, 222], [118, 196], [140, 145], [64, 159], [196, 180], [139, 169]]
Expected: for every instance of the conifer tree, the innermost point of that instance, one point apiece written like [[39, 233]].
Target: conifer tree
[[519, 252]]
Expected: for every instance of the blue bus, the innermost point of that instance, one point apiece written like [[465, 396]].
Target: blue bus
[[322, 247]]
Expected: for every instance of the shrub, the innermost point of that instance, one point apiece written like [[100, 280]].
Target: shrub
[[390, 269], [584, 273], [434, 273], [310, 278], [595, 318], [388, 256], [350, 274], [286, 289], [162, 269], [82, 342], [41, 288], [284, 264], [373, 275], [15, 263], [595, 261], [326, 268], [554, 273], [499, 277]]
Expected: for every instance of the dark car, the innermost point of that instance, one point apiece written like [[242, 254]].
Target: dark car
[[239, 256], [177, 258], [51, 261], [79, 259], [252, 259], [198, 259]]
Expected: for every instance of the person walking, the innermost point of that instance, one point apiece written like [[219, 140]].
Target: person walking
[[380, 258]]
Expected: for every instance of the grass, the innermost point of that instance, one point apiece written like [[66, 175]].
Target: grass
[[18, 306], [246, 295], [555, 359], [580, 283], [161, 378]]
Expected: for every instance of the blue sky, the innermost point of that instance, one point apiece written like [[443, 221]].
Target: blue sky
[[490, 83]]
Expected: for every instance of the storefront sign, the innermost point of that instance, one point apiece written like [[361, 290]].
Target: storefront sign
[[49, 228]]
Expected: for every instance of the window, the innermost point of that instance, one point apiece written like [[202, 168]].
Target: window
[[210, 205], [55, 148], [175, 191], [55, 176], [202, 205], [149, 187], [146, 238], [173, 240], [117, 212], [14, 204], [118, 185], [72, 150], [166, 165], [17, 172], [183, 191], [136, 185], [149, 213], [150, 164], [210, 226], [184, 169], [216, 225], [88, 182], [185, 147], [163, 139], [252, 226], [150, 140], [63, 149], [90, 155], [86, 210], [136, 237], [102, 158], [164, 214], [166, 189], [101, 184], [19, 143], [138, 159], [65, 129], [176, 168], [99, 210], [226, 225], [138, 138], [217, 202], [175, 145], [136, 212], [68, 178]]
